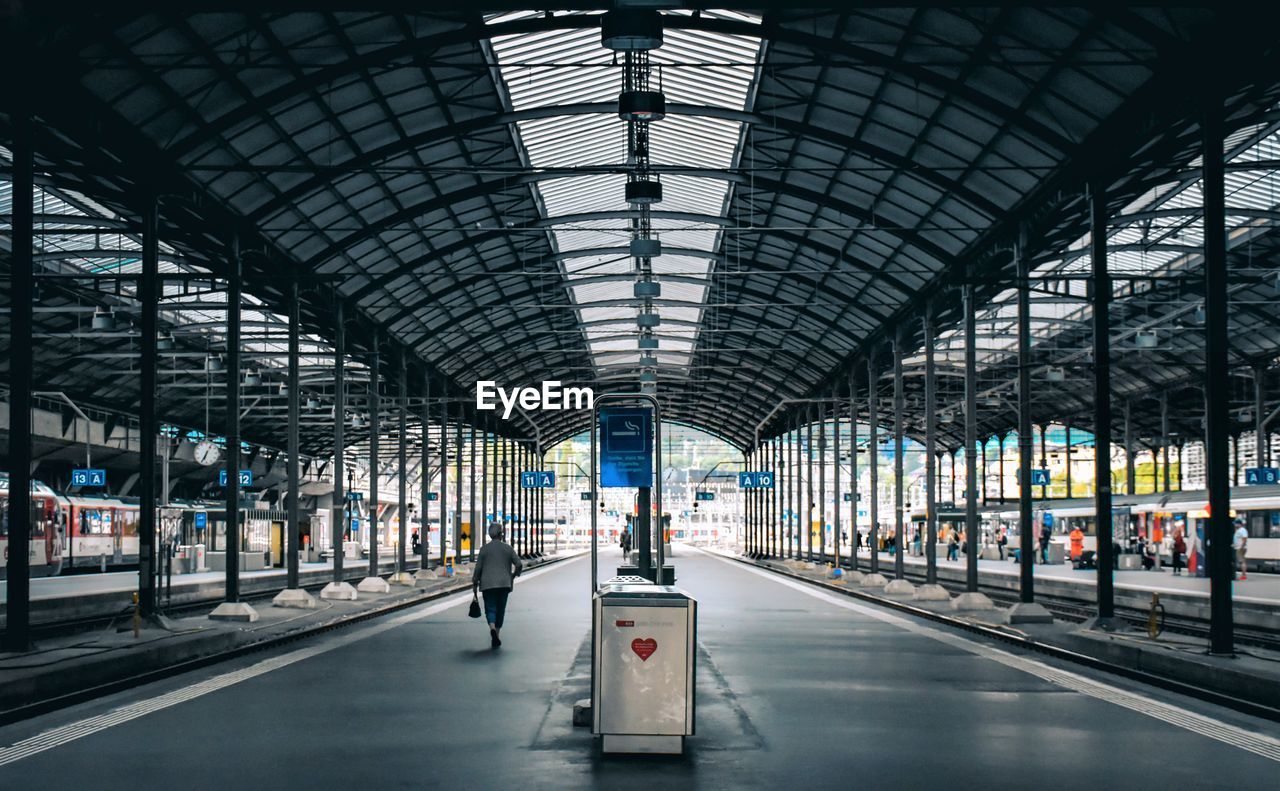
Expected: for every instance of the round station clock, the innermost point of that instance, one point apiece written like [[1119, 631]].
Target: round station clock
[[206, 453]]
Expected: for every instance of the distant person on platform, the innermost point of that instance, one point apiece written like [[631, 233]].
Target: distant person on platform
[[497, 566], [1046, 533], [1240, 545], [1179, 551], [1076, 536], [953, 544], [1002, 541]]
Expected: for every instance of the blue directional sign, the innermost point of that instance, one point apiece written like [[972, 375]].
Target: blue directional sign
[[201, 520], [1255, 476], [762, 479], [355, 496], [705, 496], [537, 479], [355, 523], [1039, 477], [848, 497], [586, 495], [88, 477], [246, 478], [433, 496], [626, 447]]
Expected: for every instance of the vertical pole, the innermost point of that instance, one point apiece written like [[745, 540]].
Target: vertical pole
[[1164, 438], [471, 472], [1220, 560], [234, 533], [148, 427], [808, 483], [485, 474], [17, 635], [835, 473], [293, 471], [1259, 415], [822, 482], [424, 530], [899, 471], [791, 492], [1102, 400], [457, 487], [339, 440], [970, 440], [1067, 452], [853, 472], [375, 429], [402, 458], [873, 461], [444, 473], [1130, 469], [930, 451], [1026, 530], [1000, 467], [1044, 457]]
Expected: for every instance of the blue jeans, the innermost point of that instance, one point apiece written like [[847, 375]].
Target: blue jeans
[[495, 605]]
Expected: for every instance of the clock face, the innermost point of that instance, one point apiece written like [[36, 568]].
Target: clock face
[[206, 453]]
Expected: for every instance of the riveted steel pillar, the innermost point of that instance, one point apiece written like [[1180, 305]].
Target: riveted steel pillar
[[899, 467], [148, 425], [970, 440], [444, 474], [873, 461], [1026, 525], [835, 474], [424, 522], [821, 409], [338, 512], [402, 458], [457, 487], [930, 458], [471, 474], [375, 469], [234, 532], [1102, 400], [853, 472], [17, 634], [294, 442], [1217, 373], [808, 484]]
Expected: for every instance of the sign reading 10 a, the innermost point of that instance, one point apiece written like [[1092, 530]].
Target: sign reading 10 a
[[755, 480]]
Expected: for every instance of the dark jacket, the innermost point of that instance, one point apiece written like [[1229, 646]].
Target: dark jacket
[[497, 566]]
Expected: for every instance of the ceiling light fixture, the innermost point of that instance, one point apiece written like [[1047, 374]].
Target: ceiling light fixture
[[625, 29]]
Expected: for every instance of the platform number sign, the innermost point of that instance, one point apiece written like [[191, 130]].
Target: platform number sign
[[1039, 477], [848, 497], [755, 480], [706, 496], [586, 495], [246, 478], [1259, 476], [355, 496], [201, 520], [433, 496], [537, 479], [88, 477]]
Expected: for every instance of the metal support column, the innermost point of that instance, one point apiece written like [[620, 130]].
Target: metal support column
[[1102, 400], [444, 474], [821, 409], [457, 487], [402, 460], [1260, 452], [375, 468], [1217, 373], [148, 426], [293, 506], [899, 467], [808, 484], [471, 485], [1130, 469], [930, 457], [234, 534], [873, 462], [485, 447], [835, 474], [1067, 454], [970, 441], [1026, 526], [337, 527], [424, 512], [17, 633], [853, 472]]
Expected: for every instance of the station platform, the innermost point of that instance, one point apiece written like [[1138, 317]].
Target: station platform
[[797, 687], [61, 599]]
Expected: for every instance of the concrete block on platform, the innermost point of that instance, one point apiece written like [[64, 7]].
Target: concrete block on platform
[[234, 611], [373, 585], [1027, 612], [876, 580], [339, 591], [296, 598], [972, 601], [582, 713], [900, 588], [401, 578], [424, 577], [933, 592]]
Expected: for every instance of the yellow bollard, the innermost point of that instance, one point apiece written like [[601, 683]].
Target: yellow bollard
[[137, 617]]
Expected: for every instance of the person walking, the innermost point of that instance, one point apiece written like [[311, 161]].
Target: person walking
[[1046, 533], [497, 566], [1179, 550], [953, 544], [1240, 544]]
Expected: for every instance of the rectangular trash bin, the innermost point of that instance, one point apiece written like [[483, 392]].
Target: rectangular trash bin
[[642, 685]]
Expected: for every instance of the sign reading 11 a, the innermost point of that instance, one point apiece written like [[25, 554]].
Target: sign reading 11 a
[[537, 479]]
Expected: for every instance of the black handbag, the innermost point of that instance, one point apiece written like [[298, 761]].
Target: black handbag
[[474, 612]]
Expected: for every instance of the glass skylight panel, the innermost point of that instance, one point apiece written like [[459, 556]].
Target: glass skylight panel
[[570, 69]]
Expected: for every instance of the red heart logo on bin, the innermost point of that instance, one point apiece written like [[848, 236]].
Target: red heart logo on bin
[[644, 648]]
